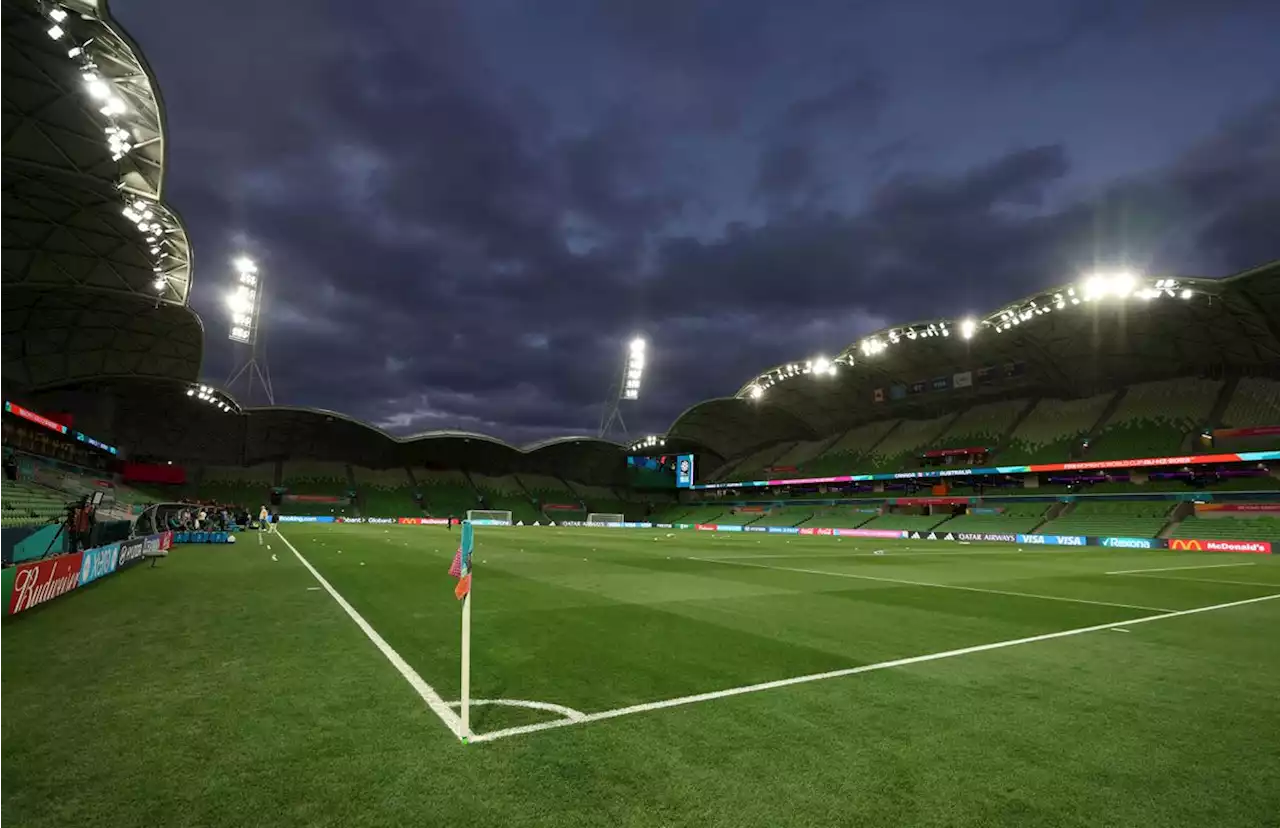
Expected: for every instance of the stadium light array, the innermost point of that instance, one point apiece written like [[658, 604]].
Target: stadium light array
[[651, 441], [212, 396], [244, 301], [120, 141], [635, 369]]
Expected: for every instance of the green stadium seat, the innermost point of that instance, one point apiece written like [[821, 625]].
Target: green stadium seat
[[1052, 429]]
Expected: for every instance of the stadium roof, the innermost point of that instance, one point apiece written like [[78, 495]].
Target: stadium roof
[[87, 237], [192, 422], [1070, 341]]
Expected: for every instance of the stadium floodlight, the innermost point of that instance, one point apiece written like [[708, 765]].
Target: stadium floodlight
[[55, 32], [634, 370], [756, 392], [1186, 293], [245, 304], [967, 328]]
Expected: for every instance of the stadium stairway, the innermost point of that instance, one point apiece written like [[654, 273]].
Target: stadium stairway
[[1104, 417]]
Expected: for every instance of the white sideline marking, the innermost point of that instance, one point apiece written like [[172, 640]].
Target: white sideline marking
[[568, 713], [1176, 568], [1118, 629], [850, 671], [1208, 581], [936, 586], [426, 691]]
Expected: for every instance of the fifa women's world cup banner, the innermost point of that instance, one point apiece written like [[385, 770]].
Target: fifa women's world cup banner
[[37, 582]]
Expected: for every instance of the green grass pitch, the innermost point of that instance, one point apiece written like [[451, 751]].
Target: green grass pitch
[[226, 687]]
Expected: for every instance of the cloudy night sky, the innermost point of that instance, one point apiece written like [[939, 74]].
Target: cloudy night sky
[[463, 210]]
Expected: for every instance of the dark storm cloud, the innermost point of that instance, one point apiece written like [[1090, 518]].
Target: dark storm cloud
[[462, 236]]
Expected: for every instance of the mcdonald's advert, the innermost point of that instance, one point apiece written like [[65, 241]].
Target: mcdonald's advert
[[1197, 545]]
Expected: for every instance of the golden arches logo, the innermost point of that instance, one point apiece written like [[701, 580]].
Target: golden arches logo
[[1186, 545]]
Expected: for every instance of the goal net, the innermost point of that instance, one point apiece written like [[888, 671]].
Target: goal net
[[488, 517], [603, 519]]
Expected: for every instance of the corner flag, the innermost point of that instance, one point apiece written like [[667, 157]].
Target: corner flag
[[461, 567]]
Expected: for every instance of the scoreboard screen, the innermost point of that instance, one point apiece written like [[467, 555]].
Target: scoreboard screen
[[662, 471]]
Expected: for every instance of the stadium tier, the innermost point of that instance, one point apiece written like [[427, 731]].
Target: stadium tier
[[385, 493], [247, 486], [1255, 402], [853, 445], [1229, 528], [981, 426], [1023, 517], [1155, 419], [448, 493], [900, 446], [1115, 519], [909, 523], [506, 493], [841, 517], [1053, 429], [315, 478]]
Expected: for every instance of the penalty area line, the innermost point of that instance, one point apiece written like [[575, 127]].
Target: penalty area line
[[850, 671], [433, 699]]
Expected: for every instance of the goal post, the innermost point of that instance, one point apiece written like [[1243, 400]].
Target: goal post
[[488, 517], [604, 518]]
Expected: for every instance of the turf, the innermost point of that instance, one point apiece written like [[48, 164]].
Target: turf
[[222, 688]]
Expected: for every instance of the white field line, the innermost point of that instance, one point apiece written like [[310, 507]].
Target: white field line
[[568, 713], [936, 586], [426, 691], [1207, 581], [908, 551], [866, 668], [1176, 568]]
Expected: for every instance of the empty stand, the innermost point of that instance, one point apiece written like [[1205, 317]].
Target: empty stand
[[981, 425], [507, 494], [1154, 419], [842, 455], [1053, 429], [1263, 528], [894, 452], [448, 493], [247, 486], [1256, 402], [1111, 519], [1016, 517], [386, 493]]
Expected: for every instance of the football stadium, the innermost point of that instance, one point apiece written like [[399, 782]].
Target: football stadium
[[1014, 569]]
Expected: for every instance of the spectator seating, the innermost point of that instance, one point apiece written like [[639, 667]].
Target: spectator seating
[[1016, 517], [737, 517], [27, 504], [1053, 429], [840, 517], [447, 493], [671, 513], [603, 500], [1255, 402], [506, 493], [247, 486], [800, 453], [385, 493], [315, 478], [1230, 528], [843, 455], [1108, 518], [703, 514], [895, 451], [548, 489], [981, 425], [910, 523], [1154, 419], [752, 466], [785, 516]]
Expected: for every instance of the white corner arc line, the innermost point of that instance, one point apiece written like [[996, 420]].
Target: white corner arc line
[[1177, 568], [568, 713], [939, 586], [426, 691], [850, 671]]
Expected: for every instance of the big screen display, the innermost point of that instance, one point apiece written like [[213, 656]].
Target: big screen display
[[662, 471]]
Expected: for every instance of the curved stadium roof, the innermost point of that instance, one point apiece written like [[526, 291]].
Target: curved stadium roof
[[96, 268], [1070, 341]]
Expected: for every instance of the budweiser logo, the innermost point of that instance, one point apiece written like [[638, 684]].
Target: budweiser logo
[[43, 581]]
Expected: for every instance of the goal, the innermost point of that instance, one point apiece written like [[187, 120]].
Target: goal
[[488, 517], [603, 518]]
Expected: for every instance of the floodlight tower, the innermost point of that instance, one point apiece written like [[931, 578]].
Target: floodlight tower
[[627, 388], [245, 302]]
